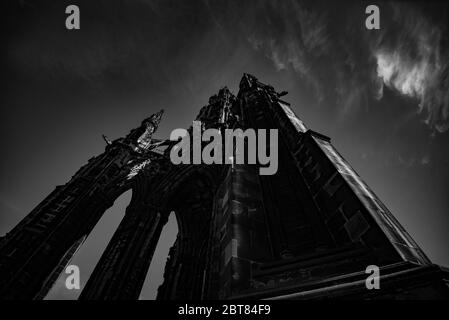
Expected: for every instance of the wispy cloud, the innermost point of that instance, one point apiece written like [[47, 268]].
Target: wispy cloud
[[412, 60], [292, 37], [353, 65]]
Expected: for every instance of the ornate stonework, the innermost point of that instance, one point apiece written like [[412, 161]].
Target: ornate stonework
[[306, 232]]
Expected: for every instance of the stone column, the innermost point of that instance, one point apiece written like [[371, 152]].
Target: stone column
[[122, 269]]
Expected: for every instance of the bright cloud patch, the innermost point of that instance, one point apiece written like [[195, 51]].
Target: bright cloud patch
[[416, 66]]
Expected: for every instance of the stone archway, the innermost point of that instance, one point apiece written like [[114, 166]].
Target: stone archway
[[192, 199], [187, 190]]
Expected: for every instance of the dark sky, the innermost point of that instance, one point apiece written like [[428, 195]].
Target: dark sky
[[381, 95]]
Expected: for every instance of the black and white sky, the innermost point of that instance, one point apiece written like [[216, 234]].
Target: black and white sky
[[381, 95]]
